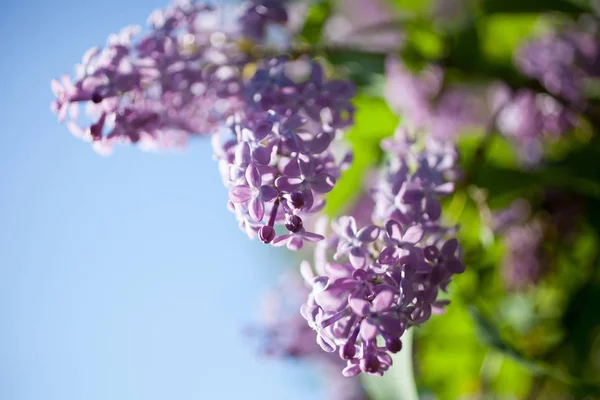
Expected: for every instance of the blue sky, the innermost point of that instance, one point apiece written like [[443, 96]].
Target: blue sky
[[121, 277]]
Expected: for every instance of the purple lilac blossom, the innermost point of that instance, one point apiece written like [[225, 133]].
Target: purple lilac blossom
[[274, 130], [529, 119], [421, 101], [516, 213], [369, 25], [257, 15], [385, 277], [528, 240], [562, 62], [284, 334], [181, 77], [277, 154], [523, 262]]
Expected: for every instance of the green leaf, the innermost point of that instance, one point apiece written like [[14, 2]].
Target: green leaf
[[373, 122], [362, 67], [489, 334], [315, 20], [465, 48]]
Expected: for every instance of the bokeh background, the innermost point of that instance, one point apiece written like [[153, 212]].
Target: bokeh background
[[127, 278]]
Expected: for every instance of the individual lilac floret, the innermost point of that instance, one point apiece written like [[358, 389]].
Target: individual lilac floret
[[385, 279], [354, 242], [278, 162], [254, 192]]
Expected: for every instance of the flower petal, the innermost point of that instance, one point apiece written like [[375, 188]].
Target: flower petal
[[449, 248], [268, 193], [394, 229], [287, 184], [412, 195], [444, 188], [240, 193], [312, 237], [383, 300], [262, 155], [281, 240], [242, 154], [390, 324], [326, 344], [256, 209], [368, 234], [357, 257], [306, 167], [413, 234], [253, 176], [295, 243], [433, 208], [368, 331], [455, 266], [388, 255], [322, 183], [360, 307]]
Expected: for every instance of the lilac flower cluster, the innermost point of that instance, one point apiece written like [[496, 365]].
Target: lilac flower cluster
[[189, 75], [277, 154], [562, 62], [529, 238], [529, 119], [523, 262], [385, 277], [182, 77]]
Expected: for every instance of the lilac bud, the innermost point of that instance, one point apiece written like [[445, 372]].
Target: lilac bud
[[296, 200], [266, 234], [393, 344], [348, 351], [293, 223], [96, 98], [369, 363]]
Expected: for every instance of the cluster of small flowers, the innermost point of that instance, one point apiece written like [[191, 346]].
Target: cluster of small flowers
[[276, 156], [562, 62], [189, 75], [385, 278], [529, 237], [182, 77], [283, 333], [528, 118], [426, 105]]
